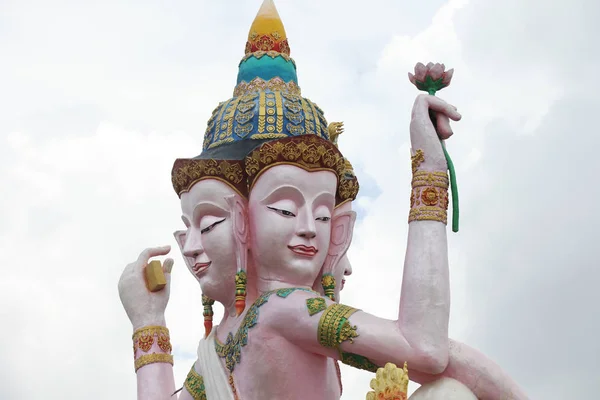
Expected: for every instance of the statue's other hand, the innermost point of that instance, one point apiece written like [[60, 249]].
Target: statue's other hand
[[423, 133], [142, 306]]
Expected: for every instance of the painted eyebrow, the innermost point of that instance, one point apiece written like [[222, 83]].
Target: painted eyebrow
[[325, 196], [203, 206], [297, 193]]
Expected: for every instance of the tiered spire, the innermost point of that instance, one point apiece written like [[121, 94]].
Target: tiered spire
[[267, 32]]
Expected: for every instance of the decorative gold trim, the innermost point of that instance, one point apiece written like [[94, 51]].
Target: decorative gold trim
[[417, 159], [261, 112], [150, 330], [390, 383], [357, 361], [194, 384], [334, 327], [258, 84], [187, 172], [426, 178], [315, 305], [273, 54], [151, 359], [308, 152], [426, 213]]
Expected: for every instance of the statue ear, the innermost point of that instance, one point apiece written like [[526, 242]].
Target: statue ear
[[239, 219], [342, 228], [180, 238]]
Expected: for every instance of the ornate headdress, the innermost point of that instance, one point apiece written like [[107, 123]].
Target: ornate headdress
[[266, 123], [267, 107]]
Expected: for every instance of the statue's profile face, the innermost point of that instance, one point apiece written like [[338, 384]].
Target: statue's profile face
[[341, 271], [290, 213], [208, 245]]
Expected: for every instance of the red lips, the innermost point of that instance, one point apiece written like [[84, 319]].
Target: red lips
[[304, 250], [198, 268]]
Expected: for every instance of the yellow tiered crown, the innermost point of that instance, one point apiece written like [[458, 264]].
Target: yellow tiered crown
[[390, 383]]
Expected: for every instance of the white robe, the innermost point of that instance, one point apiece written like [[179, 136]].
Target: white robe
[[208, 365]]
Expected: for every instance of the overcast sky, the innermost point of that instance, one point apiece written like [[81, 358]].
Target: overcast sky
[[99, 98]]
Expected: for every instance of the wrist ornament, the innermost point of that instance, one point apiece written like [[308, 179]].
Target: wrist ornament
[[151, 344], [429, 196]]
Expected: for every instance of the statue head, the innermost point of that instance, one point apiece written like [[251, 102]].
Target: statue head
[[295, 184], [270, 141], [210, 195], [290, 211]]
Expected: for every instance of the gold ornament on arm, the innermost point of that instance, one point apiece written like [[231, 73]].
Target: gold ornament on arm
[[335, 129], [390, 383], [416, 160]]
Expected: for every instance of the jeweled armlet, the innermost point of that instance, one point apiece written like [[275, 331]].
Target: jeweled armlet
[[334, 327]]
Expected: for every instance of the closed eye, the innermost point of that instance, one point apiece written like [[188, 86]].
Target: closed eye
[[211, 227], [285, 213]]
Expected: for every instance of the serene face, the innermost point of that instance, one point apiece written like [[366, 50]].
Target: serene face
[[290, 223], [208, 244]]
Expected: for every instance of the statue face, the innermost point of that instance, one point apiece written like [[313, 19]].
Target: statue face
[[208, 243], [290, 213], [341, 271]]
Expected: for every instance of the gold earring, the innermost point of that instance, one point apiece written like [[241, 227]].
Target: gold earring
[[240, 291], [328, 282], [208, 314]]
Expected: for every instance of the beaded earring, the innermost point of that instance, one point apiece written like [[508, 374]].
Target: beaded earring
[[240, 291], [208, 314], [328, 282]]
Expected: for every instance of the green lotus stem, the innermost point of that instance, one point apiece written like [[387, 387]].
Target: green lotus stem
[[453, 185]]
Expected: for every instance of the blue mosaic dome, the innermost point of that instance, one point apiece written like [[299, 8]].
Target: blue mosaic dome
[[264, 114], [267, 102]]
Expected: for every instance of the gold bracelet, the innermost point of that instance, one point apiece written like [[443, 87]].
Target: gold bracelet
[[334, 327], [150, 331], [426, 213], [143, 339], [426, 178], [153, 358]]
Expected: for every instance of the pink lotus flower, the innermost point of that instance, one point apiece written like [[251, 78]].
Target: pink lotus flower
[[431, 77]]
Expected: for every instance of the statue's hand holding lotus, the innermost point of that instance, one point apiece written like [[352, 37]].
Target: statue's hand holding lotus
[[430, 78], [423, 133], [145, 308]]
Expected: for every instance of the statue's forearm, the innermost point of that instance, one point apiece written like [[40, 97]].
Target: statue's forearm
[[425, 298], [156, 382], [476, 371], [153, 363]]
